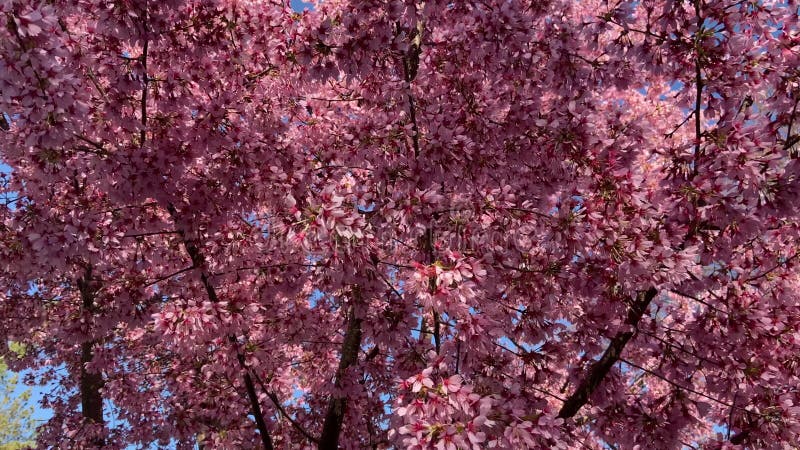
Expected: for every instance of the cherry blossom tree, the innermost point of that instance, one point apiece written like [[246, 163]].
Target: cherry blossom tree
[[404, 224]]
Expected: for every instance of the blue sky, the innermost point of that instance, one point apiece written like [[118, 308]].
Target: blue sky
[[298, 5]]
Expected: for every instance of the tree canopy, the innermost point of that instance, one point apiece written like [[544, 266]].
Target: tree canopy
[[378, 224]]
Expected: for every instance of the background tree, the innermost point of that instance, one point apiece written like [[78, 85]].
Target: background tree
[[16, 411]]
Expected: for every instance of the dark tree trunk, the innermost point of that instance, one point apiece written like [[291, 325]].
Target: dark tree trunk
[[337, 406], [90, 382]]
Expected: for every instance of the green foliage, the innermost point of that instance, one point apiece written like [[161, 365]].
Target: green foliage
[[16, 423], [17, 445]]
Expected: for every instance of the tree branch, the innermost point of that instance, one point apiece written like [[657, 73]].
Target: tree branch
[[698, 102], [291, 420], [775, 267], [337, 406], [276, 401], [150, 233], [145, 82], [610, 357], [432, 286], [698, 300], [791, 140], [675, 130], [410, 69], [680, 348], [198, 261], [166, 277], [668, 381]]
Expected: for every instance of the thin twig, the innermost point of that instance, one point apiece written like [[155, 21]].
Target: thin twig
[[283, 412], [151, 233], [692, 297], [166, 277], [767, 272], [665, 379]]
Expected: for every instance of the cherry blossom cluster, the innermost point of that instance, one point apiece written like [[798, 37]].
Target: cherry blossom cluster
[[424, 224]]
